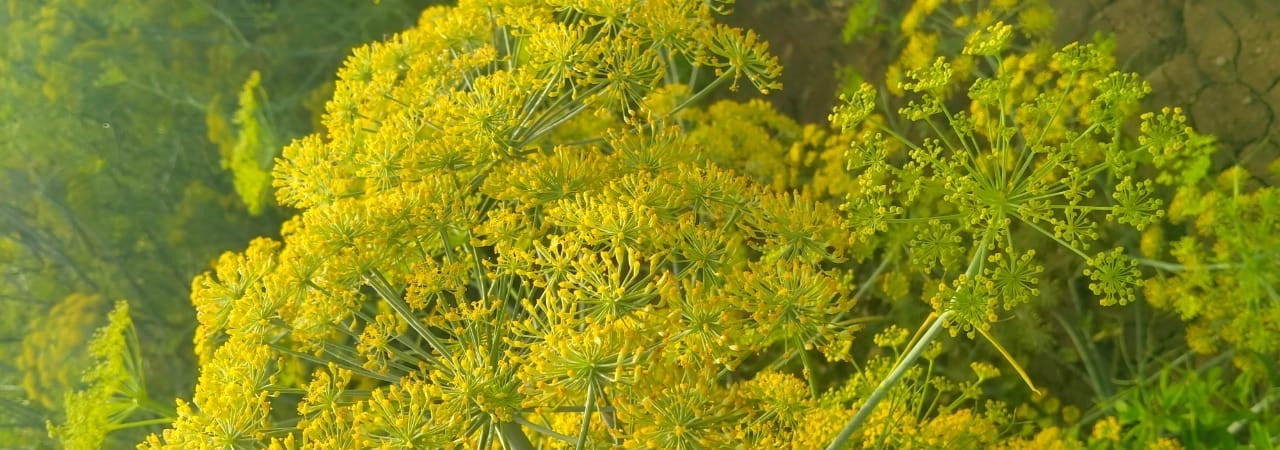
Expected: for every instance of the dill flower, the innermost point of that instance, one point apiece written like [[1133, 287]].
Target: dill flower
[[215, 295], [400, 416], [513, 215], [1035, 166], [115, 387], [232, 402], [48, 361], [576, 362], [1176, 149], [115, 391], [1114, 276], [1223, 279], [683, 415], [983, 176], [744, 55], [958, 31], [796, 302], [990, 41]]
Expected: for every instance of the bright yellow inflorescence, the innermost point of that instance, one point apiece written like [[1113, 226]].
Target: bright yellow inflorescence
[[519, 225], [522, 228]]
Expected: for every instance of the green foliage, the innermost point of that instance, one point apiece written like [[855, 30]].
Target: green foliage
[[1199, 408], [109, 182], [861, 20]]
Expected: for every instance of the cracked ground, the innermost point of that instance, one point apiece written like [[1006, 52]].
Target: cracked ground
[[1217, 59]]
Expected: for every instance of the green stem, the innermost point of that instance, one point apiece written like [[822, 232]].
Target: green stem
[[809, 373], [142, 423], [1051, 236], [903, 140], [1092, 366], [384, 290], [1175, 267], [552, 126], [486, 437], [569, 409], [586, 418], [513, 437], [544, 430], [148, 404], [1071, 83], [357, 369], [703, 93], [975, 267], [888, 382], [923, 219]]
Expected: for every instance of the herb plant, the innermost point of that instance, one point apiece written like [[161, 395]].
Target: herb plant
[[536, 224]]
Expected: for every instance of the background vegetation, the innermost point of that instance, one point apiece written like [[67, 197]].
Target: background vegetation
[[127, 132]]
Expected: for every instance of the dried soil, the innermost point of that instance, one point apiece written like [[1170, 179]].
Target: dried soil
[[1218, 59]]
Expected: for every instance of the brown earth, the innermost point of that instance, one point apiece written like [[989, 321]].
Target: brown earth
[[805, 36], [1218, 59]]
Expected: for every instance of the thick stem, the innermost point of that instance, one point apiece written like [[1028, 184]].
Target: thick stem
[[586, 418], [728, 74], [809, 373], [975, 267], [540, 430], [142, 423], [167, 411], [1175, 267], [888, 382], [513, 436], [383, 288]]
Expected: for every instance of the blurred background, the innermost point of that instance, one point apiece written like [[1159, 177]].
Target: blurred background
[[136, 139]]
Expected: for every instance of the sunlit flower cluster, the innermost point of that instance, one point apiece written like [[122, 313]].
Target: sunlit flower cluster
[[523, 227], [1009, 172], [520, 226]]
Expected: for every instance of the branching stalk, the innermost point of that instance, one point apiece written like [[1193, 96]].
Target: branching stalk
[[975, 266], [888, 382], [809, 372]]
